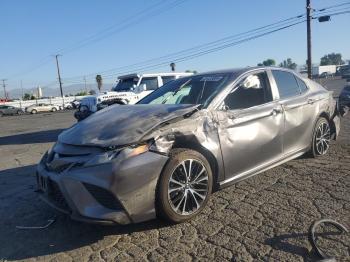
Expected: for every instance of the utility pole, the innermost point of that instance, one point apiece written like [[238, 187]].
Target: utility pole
[[85, 84], [308, 29], [59, 77], [22, 88], [4, 86]]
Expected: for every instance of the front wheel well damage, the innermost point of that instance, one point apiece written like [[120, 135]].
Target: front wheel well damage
[[186, 144]]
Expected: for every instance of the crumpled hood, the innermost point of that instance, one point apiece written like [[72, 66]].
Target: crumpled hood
[[121, 125]]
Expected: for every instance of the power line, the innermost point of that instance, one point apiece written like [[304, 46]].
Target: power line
[[205, 46], [96, 37], [333, 6], [333, 14], [135, 19], [190, 51], [201, 53]]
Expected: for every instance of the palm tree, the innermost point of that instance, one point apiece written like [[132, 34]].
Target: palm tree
[[99, 82]]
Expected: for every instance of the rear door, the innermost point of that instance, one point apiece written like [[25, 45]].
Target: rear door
[[298, 111]]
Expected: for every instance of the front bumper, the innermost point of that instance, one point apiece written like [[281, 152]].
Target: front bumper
[[120, 191]]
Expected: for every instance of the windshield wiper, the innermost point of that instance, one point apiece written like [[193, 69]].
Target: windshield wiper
[[176, 91]]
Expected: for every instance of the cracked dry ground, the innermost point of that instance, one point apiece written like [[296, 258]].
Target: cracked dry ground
[[265, 218]]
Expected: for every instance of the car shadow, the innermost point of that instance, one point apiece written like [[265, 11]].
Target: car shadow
[[21, 206], [31, 138]]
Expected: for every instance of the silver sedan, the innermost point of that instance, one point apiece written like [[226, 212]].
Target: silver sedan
[[164, 156]]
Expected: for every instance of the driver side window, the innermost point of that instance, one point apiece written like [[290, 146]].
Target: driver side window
[[253, 90]]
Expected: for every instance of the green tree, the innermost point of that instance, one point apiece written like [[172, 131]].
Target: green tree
[[99, 82], [26, 96], [288, 64], [332, 59], [268, 62], [82, 93]]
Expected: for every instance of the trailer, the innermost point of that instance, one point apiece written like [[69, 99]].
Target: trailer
[[327, 70]]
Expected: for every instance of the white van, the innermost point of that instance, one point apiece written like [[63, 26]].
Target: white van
[[133, 87]]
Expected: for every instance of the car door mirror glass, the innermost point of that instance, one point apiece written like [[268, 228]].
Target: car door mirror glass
[[252, 82]]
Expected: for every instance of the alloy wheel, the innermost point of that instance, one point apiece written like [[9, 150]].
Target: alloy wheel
[[188, 187], [323, 137]]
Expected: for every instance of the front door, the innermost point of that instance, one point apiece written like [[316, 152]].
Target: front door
[[250, 127]]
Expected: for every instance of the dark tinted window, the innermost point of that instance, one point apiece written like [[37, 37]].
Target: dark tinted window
[[167, 79], [302, 85], [151, 82], [126, 84], [286, 83], [252, 91]]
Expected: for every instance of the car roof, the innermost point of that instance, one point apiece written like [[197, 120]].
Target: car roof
[[135, 75], [238, 71]]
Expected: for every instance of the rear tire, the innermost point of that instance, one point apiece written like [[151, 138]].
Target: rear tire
[[34, 111], [184, 187], [19, 112], [54, 109], [321, 138]]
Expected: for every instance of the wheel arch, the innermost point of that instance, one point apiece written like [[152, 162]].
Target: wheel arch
[[196, 146], [330, 122]]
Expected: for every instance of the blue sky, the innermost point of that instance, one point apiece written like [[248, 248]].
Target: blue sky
[[34, 30]]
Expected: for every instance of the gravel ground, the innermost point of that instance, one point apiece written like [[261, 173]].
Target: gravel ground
[[264, 218]]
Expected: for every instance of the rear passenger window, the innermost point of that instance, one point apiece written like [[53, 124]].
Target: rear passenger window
[[167, 79], [302, 85], [286, 83], [150, 82]]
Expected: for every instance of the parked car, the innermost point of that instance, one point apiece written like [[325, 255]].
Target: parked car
[[344, 100], [67, 106], [75, 103], [133, 87], [165, 155], [88, 105], [10, 110], [346, 73], [33, 109], [108, 103], [326, 75]]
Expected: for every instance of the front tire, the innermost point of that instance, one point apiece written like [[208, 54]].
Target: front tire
[[34, 111], [54, 109], [321, 138], [184, 187]]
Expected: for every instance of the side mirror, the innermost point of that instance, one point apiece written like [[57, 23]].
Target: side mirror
[[141, 88], [251, 81]]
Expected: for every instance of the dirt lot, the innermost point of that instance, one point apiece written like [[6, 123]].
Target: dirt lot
[[264, 218]]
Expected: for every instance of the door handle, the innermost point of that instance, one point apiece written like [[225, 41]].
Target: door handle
[[276, 111], [310, 101], [231, 116]]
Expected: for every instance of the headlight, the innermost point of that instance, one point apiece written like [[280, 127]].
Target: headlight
[[124, 153], [135, 150]]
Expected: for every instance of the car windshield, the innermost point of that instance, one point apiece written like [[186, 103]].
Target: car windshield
[[198, 89], [126, 84]]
